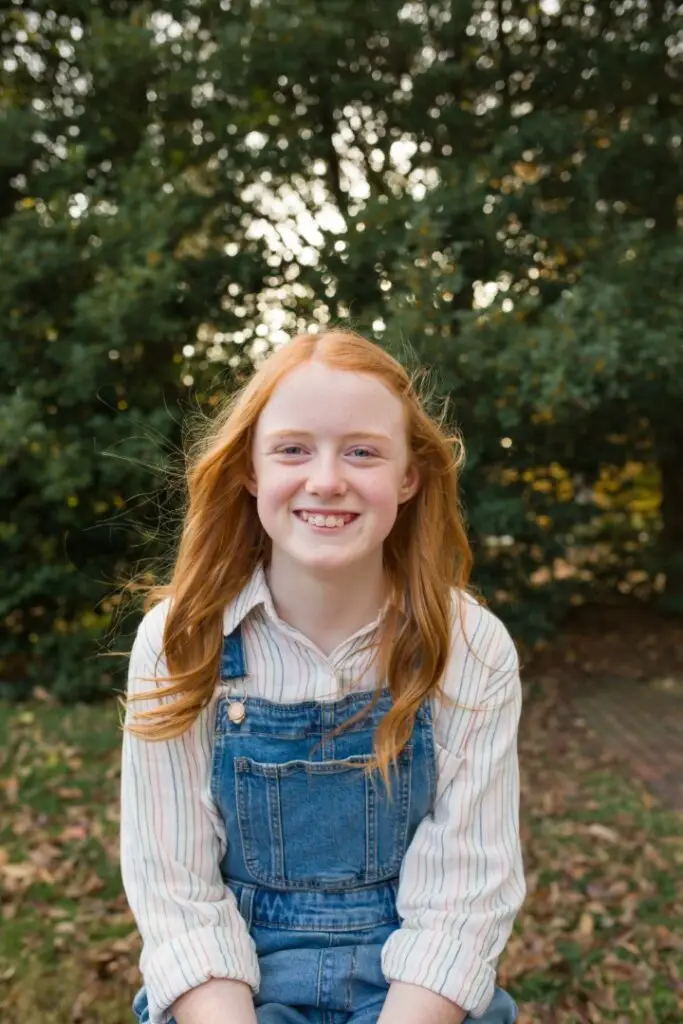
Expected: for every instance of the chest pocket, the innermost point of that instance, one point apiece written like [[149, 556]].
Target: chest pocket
[[326, 825]]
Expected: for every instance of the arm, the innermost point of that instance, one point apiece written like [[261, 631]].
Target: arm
[[215, 1002], [462, 880], [172, 841], [413, 1004]]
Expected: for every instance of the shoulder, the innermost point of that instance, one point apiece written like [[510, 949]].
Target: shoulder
[[149, 640], [483, 666], [481, 630]]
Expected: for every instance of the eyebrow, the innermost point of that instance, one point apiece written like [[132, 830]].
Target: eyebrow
[[278, 435]]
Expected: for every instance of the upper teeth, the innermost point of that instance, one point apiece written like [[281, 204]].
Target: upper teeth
[[316, 519]]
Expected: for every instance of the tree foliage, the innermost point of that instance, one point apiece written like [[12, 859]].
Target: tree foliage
[[491, 186]]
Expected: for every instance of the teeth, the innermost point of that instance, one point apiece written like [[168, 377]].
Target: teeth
[[330, 522]]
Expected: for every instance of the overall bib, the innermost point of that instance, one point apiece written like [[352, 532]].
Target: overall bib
[[315, 847]]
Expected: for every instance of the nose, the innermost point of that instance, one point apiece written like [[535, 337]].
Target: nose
[[326, 478]]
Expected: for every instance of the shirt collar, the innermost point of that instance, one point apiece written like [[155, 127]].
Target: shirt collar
[[255, 594]]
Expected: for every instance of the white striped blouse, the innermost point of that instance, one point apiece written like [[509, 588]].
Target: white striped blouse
[[461, 881]]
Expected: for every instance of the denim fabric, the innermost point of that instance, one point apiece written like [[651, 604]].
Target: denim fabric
[[315, 846]]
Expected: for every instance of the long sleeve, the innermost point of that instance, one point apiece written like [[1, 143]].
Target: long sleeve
[[172, 842], [462, 881]]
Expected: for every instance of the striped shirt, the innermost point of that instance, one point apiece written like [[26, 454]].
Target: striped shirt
[[461, 881]]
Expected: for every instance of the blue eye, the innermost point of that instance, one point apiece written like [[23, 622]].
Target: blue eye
[[291, 449], [362, 452]]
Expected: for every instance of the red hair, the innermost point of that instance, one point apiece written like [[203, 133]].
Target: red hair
[[426, 555]]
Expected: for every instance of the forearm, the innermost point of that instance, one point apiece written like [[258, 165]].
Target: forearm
[[412, 1004], [215, 1002]]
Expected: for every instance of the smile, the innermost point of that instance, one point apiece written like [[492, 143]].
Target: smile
[[326, 521]]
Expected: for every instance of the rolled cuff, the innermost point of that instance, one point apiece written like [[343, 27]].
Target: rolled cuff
[[189, 960], [439, 963]]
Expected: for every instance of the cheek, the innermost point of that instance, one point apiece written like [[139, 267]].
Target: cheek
[[381, 491], [276, 485]]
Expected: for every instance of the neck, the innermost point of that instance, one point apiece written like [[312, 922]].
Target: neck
[[327, 608]]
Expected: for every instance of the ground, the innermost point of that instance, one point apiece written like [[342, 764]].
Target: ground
[[599, 939], [621, 670]]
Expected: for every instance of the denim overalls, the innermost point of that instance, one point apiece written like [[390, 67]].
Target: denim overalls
[[315, 848]]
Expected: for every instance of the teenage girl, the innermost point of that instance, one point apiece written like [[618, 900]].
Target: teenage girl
[[319, 780]]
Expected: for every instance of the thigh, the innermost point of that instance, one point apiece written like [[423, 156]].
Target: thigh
[[277, 1013], [367, 1016]]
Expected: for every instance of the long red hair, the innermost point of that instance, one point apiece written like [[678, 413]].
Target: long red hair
[[426, 555]]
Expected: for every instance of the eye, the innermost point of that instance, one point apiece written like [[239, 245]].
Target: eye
[[362, 453], [293, 450]]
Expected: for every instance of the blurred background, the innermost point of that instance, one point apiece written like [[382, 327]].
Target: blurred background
[[493, 190]]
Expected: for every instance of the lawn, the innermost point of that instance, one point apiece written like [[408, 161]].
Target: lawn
[[599, 938]]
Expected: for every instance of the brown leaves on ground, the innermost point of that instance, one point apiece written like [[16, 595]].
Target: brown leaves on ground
[[68, 943], [599, 939]]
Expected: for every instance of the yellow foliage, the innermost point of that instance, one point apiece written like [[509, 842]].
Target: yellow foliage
[[89, 620], [645, 503], [528, 172], [543, 416]]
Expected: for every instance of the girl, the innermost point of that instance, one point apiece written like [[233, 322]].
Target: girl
[[320, 806]]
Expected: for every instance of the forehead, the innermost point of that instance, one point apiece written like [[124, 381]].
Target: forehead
[[318, 398]]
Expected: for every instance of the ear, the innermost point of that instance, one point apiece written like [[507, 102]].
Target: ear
[[410, 484]]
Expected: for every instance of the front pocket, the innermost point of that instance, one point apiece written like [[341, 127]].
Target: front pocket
[[321, 824]]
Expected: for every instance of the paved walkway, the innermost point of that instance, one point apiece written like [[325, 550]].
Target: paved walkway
[[642, 723]]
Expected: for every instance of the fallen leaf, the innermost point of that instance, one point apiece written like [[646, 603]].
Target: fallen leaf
[[602, 832], [586, 926], [11, 789]]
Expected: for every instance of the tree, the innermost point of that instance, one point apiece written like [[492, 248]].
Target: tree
[[532, 150], [493, 184], [114, 261]]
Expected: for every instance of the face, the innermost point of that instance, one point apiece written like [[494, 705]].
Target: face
[[331, 468]]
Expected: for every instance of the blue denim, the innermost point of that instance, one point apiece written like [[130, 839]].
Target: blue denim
[[315, 846]]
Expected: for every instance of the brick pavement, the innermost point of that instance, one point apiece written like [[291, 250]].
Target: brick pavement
[[642, 724]]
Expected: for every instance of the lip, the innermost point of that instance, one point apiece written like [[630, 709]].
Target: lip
[[326, 511]]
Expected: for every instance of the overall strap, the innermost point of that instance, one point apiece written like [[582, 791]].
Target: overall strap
[[232, 657]]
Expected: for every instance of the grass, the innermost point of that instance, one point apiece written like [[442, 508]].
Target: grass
[[598, 940], [68, 946]]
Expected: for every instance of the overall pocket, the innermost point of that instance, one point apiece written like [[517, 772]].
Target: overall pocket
[[324, 825]]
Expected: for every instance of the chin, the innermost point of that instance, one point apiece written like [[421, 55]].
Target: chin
[[327, 561]]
